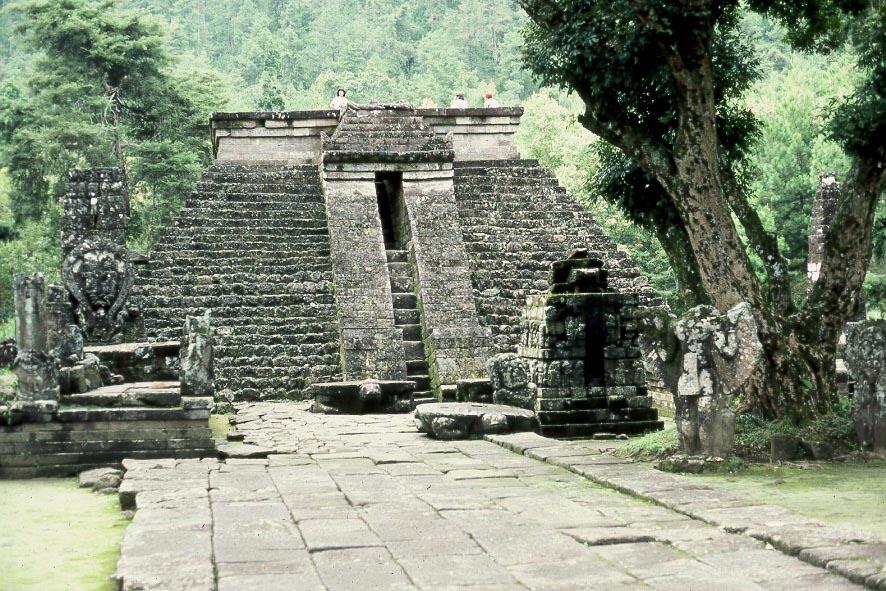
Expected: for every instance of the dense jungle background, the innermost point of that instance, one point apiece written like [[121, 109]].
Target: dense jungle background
[[84, 83]]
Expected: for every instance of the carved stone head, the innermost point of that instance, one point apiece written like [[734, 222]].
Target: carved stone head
[[98, 275]]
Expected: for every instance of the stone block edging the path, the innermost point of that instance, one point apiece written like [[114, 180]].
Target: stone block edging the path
[[859, 557]]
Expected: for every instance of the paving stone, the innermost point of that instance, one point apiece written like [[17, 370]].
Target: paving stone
[[359, 569], [433, 572], [382, 508], [271, 582], [326, 534]]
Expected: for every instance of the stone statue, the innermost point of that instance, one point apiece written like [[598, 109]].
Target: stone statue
[[718, 355], [865, 356], [704, 358], [35, 368], [99, 276], [197, 372]]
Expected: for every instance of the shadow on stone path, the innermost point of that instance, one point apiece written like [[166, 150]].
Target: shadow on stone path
[[366, 502]]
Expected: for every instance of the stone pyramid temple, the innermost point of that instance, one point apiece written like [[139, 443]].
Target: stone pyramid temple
[[386, 242]]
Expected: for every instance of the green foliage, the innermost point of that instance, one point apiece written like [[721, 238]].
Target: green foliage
[[293, 54], [657, 444], [550, 133], [102, 86], [753, 434]]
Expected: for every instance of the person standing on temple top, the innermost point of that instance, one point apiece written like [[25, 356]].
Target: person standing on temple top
[[459, 102], [489, 102]]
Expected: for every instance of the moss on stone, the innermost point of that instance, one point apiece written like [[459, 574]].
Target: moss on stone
[[57, 536], [220, 425], [848, 494]]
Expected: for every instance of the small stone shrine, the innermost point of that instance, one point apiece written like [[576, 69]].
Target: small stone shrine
[[580, 347]]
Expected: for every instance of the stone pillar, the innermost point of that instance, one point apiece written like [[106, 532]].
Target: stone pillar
[[718, 354], [197, 372], [824, 207], [96, 205], [372, 347], [865, 357], [34, 366], [458, 345]]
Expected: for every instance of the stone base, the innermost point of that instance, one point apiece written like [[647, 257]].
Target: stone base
[[84, 437], [362, 397], [465, 420]]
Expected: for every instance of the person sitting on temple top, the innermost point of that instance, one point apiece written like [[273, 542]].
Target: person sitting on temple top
[[489, 102], [459, 102], [340, 102]]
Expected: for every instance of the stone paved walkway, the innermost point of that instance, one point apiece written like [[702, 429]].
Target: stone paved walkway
[[366, 502]]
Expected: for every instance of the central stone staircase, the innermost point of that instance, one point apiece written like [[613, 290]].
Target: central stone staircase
[[251, 245], [408, 317]]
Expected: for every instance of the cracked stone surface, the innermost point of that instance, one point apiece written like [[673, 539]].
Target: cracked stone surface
[[355, 502]]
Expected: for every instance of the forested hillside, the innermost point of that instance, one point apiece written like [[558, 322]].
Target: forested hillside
[[177, 60]]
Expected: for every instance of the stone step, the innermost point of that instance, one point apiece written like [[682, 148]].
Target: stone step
[[401, 284], [413, 350], [422, 382], [405, 301], [247, 301], [426, 397], [248, 224], [78, 414], [416, 367], [600, 415], [400, 270], [584, 430], [167, 399], [294, 187], [397, 256], [411, 332], [406, 316]]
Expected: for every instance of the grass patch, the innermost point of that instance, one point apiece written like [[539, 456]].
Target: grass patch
[[220, 426], [7, 328], [650, 446], [848, 494], [58, 537]]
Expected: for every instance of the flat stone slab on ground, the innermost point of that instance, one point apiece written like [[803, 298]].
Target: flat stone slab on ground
[[353, 502], [463, 420]]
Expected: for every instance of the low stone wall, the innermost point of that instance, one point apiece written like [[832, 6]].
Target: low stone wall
[[82, 439], [478, 134], [288, 137], [294, 136]]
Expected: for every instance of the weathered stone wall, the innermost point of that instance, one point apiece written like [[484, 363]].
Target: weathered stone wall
[[289, 137], [251, 245], [477, 134], [371, 344], [294, 137], [517, 221], [459, 346], [95, 206]]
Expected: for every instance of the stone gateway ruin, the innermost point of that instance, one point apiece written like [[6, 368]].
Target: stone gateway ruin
[[370, 260]]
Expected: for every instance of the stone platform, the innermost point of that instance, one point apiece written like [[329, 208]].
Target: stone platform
[[104, 426], [365, 502]]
